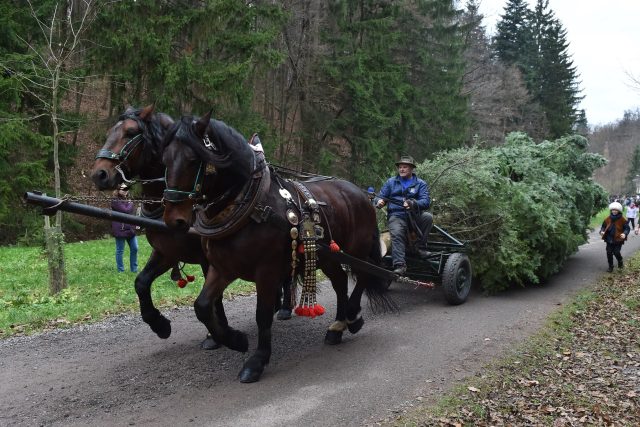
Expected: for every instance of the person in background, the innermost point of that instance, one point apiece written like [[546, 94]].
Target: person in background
[[632, 214], [124, 233], [614, 231], [406, 191]]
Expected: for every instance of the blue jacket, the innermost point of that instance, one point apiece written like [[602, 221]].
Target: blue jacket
[[417, 190]]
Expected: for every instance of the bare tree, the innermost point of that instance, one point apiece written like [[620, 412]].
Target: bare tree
[[58, 54]]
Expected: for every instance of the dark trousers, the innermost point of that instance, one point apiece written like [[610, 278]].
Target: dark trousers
[[399, 226], [613, 249], [632, 223]]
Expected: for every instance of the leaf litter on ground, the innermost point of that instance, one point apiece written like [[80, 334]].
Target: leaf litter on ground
[[582, 369]]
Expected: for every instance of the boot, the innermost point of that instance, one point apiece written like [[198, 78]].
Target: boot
[[620, 264], [400, 269], [610, 269]]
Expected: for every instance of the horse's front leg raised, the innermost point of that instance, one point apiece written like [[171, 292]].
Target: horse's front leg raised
[[210, 311], [340, 283], [156, 266], [266, 301]]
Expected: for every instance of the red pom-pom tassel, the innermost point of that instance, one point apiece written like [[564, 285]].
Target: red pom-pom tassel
[[298, 311], [181, 283], [333, 246], [190, 278], [318, 310], [300, 248]]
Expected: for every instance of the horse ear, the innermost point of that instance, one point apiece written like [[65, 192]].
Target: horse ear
[[202, 123], [147, 111]]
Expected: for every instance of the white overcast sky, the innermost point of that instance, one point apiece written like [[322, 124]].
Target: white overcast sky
[[604, 42]]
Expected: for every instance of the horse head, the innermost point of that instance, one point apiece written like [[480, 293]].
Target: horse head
[[207, 163], [131, 148]]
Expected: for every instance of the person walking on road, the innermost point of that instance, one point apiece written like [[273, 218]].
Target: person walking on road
[[632, 214], [614, 231]]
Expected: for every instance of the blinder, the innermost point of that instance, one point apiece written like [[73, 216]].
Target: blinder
[[126, 150]]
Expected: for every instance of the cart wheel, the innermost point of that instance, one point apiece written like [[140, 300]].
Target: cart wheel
[[456, 278]]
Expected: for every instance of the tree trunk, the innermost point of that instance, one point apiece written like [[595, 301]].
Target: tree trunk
[[54, 238], [54, 246]]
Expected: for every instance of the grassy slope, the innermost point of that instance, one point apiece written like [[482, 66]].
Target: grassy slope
[[95, 290]]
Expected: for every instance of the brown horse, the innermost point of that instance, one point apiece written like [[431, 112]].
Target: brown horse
[[242, 207], [133, 150]]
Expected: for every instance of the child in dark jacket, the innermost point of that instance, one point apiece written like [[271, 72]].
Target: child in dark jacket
[[124, 232], [614, 231]]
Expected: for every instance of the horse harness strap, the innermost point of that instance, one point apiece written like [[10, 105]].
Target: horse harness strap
[[241, 210]]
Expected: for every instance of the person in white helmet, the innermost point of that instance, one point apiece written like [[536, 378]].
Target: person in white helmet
[[614, 231]]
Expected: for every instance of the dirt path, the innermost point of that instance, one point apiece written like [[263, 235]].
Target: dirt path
[[119, 373]]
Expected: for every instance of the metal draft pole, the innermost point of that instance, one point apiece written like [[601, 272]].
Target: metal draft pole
[[50, 205]]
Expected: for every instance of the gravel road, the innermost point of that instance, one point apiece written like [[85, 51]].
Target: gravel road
[[119, 373]]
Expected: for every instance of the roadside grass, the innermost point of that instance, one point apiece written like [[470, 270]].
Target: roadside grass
[[95, 290], [582, 368], [597, 220]]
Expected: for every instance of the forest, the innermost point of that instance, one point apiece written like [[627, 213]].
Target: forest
[[339, 88]]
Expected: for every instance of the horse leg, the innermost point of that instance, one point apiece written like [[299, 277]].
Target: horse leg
[[340, 282], [208, 343], [284, 292], [210, 311], [156, 266], [254, 366], [354, 318]]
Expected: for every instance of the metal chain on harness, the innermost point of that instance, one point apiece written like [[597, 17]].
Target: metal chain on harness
[[104, 199]]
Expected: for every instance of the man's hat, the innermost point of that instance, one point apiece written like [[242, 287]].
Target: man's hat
[[406, 160]]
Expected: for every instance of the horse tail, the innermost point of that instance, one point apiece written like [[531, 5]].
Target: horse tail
[[376, 287]]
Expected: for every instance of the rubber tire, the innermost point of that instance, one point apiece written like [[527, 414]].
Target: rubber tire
[[456, 278]]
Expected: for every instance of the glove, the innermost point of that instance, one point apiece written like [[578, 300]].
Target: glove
[[411, 203]]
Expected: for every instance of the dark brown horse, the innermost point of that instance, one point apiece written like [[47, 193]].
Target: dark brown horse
[[241, 207], [133, 151]]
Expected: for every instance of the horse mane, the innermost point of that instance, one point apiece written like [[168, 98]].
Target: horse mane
[[230, 147], [152, 131]]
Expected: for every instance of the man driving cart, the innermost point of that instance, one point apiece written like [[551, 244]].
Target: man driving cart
[[407, 197]]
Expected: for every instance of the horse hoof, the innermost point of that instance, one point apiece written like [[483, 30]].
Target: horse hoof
[[249, 375], [162, 327], [356, 325], [238, 341], [333, 337], [209, 343], [284, 314]]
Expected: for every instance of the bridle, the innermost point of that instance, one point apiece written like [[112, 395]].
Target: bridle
[[122, 156], [174, 195], [127, 149]]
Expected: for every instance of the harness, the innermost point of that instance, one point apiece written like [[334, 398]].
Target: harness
[[245, 206]]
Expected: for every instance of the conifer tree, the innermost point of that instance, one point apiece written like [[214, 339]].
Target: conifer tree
[[433, 48], [513, 37], [537, 43], [554, 77], [634, 171], [188, 56], [366, 88]]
